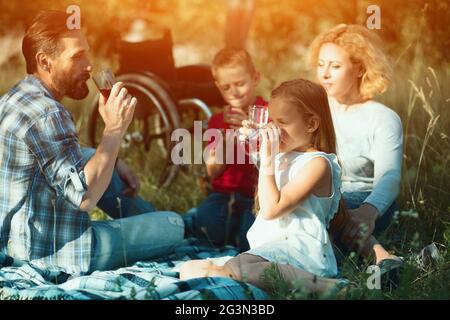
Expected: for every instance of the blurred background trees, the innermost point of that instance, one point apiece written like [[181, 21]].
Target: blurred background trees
[[278, 28], [278, 36]]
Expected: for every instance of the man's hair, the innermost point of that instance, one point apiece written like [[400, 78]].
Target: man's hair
[[43, 34], [229, 57]]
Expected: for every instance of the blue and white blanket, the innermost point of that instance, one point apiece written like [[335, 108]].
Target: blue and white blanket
[[157, 279]]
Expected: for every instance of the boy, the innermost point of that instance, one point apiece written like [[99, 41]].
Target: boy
[[225, 216]]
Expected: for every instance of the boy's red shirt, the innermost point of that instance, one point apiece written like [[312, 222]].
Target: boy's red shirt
[[236, 177]]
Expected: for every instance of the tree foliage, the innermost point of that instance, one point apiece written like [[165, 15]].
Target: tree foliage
[[278, 24]]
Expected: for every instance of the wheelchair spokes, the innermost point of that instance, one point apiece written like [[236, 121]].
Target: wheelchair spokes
[[148, 139]]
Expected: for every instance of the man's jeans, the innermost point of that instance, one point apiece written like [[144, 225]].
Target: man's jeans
[[121, 242], [137, 233]]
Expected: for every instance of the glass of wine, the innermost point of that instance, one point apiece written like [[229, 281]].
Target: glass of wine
[[104, 80]]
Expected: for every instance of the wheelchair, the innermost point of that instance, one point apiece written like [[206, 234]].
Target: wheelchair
[[168, 98]]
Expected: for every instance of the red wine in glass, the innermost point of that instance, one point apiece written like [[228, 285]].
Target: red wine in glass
[[105, 93], [104, 80]]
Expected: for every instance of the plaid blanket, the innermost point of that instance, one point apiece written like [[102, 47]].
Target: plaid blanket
[[153, 280]]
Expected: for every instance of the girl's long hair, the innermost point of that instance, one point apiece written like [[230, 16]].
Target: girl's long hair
[[311, 99]]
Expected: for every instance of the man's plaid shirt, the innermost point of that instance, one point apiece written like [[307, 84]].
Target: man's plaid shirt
[[42, 182]]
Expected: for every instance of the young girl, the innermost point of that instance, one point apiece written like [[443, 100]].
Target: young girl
[[298, 194]]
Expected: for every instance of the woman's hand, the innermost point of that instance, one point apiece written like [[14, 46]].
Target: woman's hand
[[127, 175], [359, 226]]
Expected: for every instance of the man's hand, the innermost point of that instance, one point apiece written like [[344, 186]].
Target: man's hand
[[234, 116], [127, 175], [117, 111], [360, 226]]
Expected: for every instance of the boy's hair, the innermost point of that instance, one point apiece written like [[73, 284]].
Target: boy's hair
[[43, 34], [229, 57]]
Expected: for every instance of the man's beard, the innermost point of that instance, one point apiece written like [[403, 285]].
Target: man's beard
[[74, 88]]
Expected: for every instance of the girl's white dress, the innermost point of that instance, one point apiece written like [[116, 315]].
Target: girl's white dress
[[300, 238]]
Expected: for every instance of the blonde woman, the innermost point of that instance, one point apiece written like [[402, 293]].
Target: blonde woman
[[352, 68]]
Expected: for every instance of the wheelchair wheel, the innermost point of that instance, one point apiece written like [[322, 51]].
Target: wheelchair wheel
[[147, 141], [194, 116]]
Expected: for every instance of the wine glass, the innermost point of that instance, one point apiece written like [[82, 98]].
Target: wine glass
[[104, 80]]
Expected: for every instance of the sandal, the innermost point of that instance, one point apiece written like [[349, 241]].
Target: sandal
[[391, 270], [428, 257]]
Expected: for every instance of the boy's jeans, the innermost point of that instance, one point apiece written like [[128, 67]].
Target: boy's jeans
[[223, 219]]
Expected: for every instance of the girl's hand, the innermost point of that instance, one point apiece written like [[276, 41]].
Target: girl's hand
[[269, 148], [245, 130]]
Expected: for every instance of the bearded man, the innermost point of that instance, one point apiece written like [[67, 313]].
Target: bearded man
[[48, 183]]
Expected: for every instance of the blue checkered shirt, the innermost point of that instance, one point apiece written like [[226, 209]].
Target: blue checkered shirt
[[42, 182]]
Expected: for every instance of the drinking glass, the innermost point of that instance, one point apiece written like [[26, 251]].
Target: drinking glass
[[104, 80], [258, 115]]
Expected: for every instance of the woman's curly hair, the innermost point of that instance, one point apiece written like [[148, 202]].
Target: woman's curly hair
[[364, 47]]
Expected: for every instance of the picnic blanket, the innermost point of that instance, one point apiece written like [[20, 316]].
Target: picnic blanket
[[155, 280]]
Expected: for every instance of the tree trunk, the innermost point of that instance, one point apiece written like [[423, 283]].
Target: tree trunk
[[239, 18]]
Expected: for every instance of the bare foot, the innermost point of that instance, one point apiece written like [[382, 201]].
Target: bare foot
[[194, 269], [383, 254], [373, 246], [203, 268]]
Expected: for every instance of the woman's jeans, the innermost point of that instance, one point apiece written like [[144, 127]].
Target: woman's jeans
[[354, 200], [137, 233], [223, 219]]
